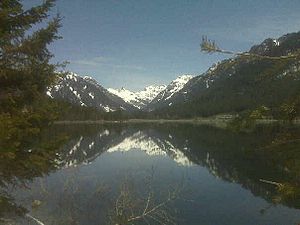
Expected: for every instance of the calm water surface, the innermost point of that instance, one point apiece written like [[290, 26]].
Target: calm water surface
[[187, 174]]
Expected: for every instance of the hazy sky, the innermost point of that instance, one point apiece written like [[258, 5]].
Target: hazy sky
[[134, 43]]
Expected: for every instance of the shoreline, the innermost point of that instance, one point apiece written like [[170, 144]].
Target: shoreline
[[219, 122]]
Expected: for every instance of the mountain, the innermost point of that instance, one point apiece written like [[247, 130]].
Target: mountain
[[238, 85], [284, 45], [242, 83], [86, 91], [164, 97], [138, 99]]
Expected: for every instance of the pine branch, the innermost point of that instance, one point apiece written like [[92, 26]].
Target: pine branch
[[210, 46]]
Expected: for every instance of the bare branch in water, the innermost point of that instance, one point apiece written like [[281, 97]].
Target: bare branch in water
[[129, 208], [34, 219], [271, 182]]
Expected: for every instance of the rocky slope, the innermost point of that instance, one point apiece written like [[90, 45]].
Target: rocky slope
[[164, 98], [86, 91]]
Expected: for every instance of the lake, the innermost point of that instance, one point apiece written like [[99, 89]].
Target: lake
[[153, 174]]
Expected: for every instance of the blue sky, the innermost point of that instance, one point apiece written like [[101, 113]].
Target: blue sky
[[134, 43]]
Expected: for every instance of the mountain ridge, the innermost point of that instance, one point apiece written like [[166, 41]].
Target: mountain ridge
[[231, 86], [139, 99], [86, 91], [163, 98], [241, 84]]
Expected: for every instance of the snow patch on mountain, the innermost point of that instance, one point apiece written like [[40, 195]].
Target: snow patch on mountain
[[276, 42], [138, 99], [123, 93], [164, 97], [49, 93], [86, 91], [175, 86]]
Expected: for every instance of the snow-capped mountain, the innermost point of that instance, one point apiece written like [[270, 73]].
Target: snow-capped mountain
[[164, 97], [86, 91], [241, 83], [138, 99]]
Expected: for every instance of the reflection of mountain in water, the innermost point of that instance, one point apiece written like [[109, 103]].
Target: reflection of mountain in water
[[85, 149], [151, 146], [233, 157]]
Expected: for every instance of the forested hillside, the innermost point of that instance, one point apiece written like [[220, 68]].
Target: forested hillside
[[262, 83], [246, 83]]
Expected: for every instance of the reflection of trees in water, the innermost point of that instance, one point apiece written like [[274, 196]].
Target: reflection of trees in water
[[269, 154], [59, 147], [130, 200], [20, 167]]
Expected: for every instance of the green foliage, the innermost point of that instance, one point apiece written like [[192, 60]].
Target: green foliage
[[290, 109], [261, 112], [25, 65], [64, 111], [25, 70]]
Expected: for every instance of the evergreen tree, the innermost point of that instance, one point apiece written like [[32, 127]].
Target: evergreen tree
[[25, 68]]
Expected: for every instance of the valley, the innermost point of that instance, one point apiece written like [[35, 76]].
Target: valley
[[149, 112], [236, 86]]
